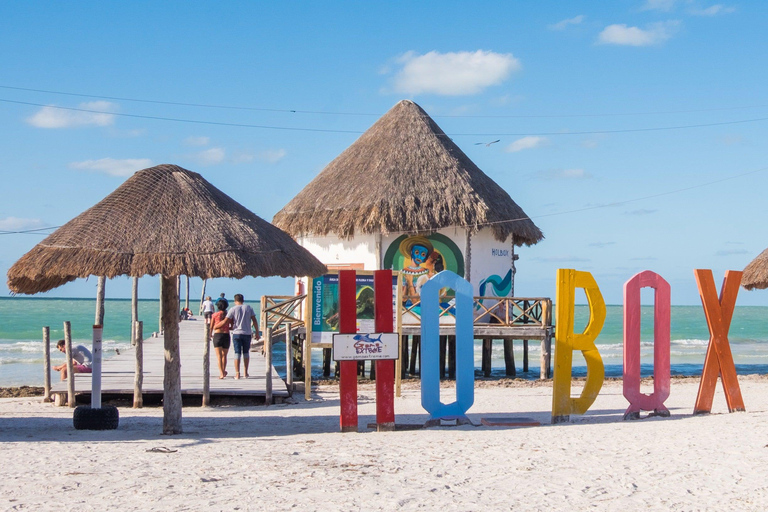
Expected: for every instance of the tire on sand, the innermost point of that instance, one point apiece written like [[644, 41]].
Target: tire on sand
[[87, 418]]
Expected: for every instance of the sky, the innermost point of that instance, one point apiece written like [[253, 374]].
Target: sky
[[629, 131]]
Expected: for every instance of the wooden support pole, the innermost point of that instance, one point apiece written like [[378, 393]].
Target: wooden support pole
[[525, 356], [70, 366], [403, 356], [289, 357], [487, 352], [452, 357], [509, 358], [202, 296], [47, 363], [160, 309], [99, 318], [268, 363], [134, 308], [172, 365], [327, 352], [138, 376], [443, 355], [206, 365], [415, 353], [186, 302]]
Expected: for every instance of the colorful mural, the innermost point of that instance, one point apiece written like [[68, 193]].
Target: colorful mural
[[421, 257]]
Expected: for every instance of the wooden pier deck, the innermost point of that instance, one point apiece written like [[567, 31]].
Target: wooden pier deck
[[118, 371]]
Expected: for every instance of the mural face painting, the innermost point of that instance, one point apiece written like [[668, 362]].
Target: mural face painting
[[419, 258]]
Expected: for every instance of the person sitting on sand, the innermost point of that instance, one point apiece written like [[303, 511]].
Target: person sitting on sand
[[240, 318], [81, 360], [221, 339]]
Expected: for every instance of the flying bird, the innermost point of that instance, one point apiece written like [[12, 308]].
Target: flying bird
[[488, 143]]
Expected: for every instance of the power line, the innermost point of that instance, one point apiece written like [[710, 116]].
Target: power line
[[358, 132], [36, 231], [368, 114]]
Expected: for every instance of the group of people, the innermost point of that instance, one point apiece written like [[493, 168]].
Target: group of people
[[231, 327]]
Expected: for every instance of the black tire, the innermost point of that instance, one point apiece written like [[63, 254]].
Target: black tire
[[86, 418]]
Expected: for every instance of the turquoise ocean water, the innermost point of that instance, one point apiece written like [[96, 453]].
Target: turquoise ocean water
[[22, 320]]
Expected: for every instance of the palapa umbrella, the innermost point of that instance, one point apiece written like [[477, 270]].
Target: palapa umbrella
[[169, 221], [756, 273]]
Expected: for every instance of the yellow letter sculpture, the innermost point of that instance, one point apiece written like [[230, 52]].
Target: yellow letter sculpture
[[566, 341]]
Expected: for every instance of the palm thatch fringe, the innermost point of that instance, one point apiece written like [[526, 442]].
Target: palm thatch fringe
[[404, 175], [756, 273]]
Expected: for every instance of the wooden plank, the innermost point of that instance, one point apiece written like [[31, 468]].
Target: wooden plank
[[118, 371]]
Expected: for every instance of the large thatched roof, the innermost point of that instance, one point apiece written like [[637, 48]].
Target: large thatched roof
[[756, 273], [163, 220], [404, 174]]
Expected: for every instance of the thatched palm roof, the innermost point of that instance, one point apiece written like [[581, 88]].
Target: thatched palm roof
[[163, 220], [404, 174], [756, 273]]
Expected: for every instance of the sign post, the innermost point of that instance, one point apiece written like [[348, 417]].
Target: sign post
[[348, 369], [382, 348]]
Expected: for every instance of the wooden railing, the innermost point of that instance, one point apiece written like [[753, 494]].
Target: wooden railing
[[502, 311], [279, 313]]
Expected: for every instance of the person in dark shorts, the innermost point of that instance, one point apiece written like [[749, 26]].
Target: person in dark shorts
[[240, 319], [220, 335]]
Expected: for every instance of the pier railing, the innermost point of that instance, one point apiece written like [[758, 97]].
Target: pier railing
[[279, 315], [496, 311]]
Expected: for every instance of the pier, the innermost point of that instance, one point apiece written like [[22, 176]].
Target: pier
[[118, 371]]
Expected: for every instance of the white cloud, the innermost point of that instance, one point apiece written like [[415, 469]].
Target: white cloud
[[18, 224], [210, 156], [529, 142], [112, 166], [272, 155], [562, 25], [453, 73], [621, 34], [563, 174], [561, 259], [659, 5], [197, 141], [713, 10], [730, 252], [52, 117]]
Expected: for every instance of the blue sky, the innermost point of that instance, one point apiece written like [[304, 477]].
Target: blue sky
[[630, 131]]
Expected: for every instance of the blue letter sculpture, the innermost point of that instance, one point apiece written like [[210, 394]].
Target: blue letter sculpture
[[430, 349]]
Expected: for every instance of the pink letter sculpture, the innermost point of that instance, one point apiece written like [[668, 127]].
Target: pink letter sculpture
[[661, 306]]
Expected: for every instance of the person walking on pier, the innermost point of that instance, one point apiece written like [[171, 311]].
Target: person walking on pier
[[240, 317], [221, 338], [208, 309]]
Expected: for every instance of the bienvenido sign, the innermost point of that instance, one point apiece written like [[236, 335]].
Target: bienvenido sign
[[363, 347]]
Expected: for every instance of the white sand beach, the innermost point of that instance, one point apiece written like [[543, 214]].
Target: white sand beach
[[292, 456]]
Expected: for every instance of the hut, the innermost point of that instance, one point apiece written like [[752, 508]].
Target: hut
[[404, 196], [170, 221]]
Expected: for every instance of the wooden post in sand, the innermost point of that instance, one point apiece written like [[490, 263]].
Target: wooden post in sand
[[70, 366], [172, 366], [47, 363], [186, 302], [138, 376], [202, 296], [207, 366], [160, 313]]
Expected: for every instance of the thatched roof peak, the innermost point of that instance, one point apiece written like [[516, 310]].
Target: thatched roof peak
[[162, 220], [404, 174], [756, 273]]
